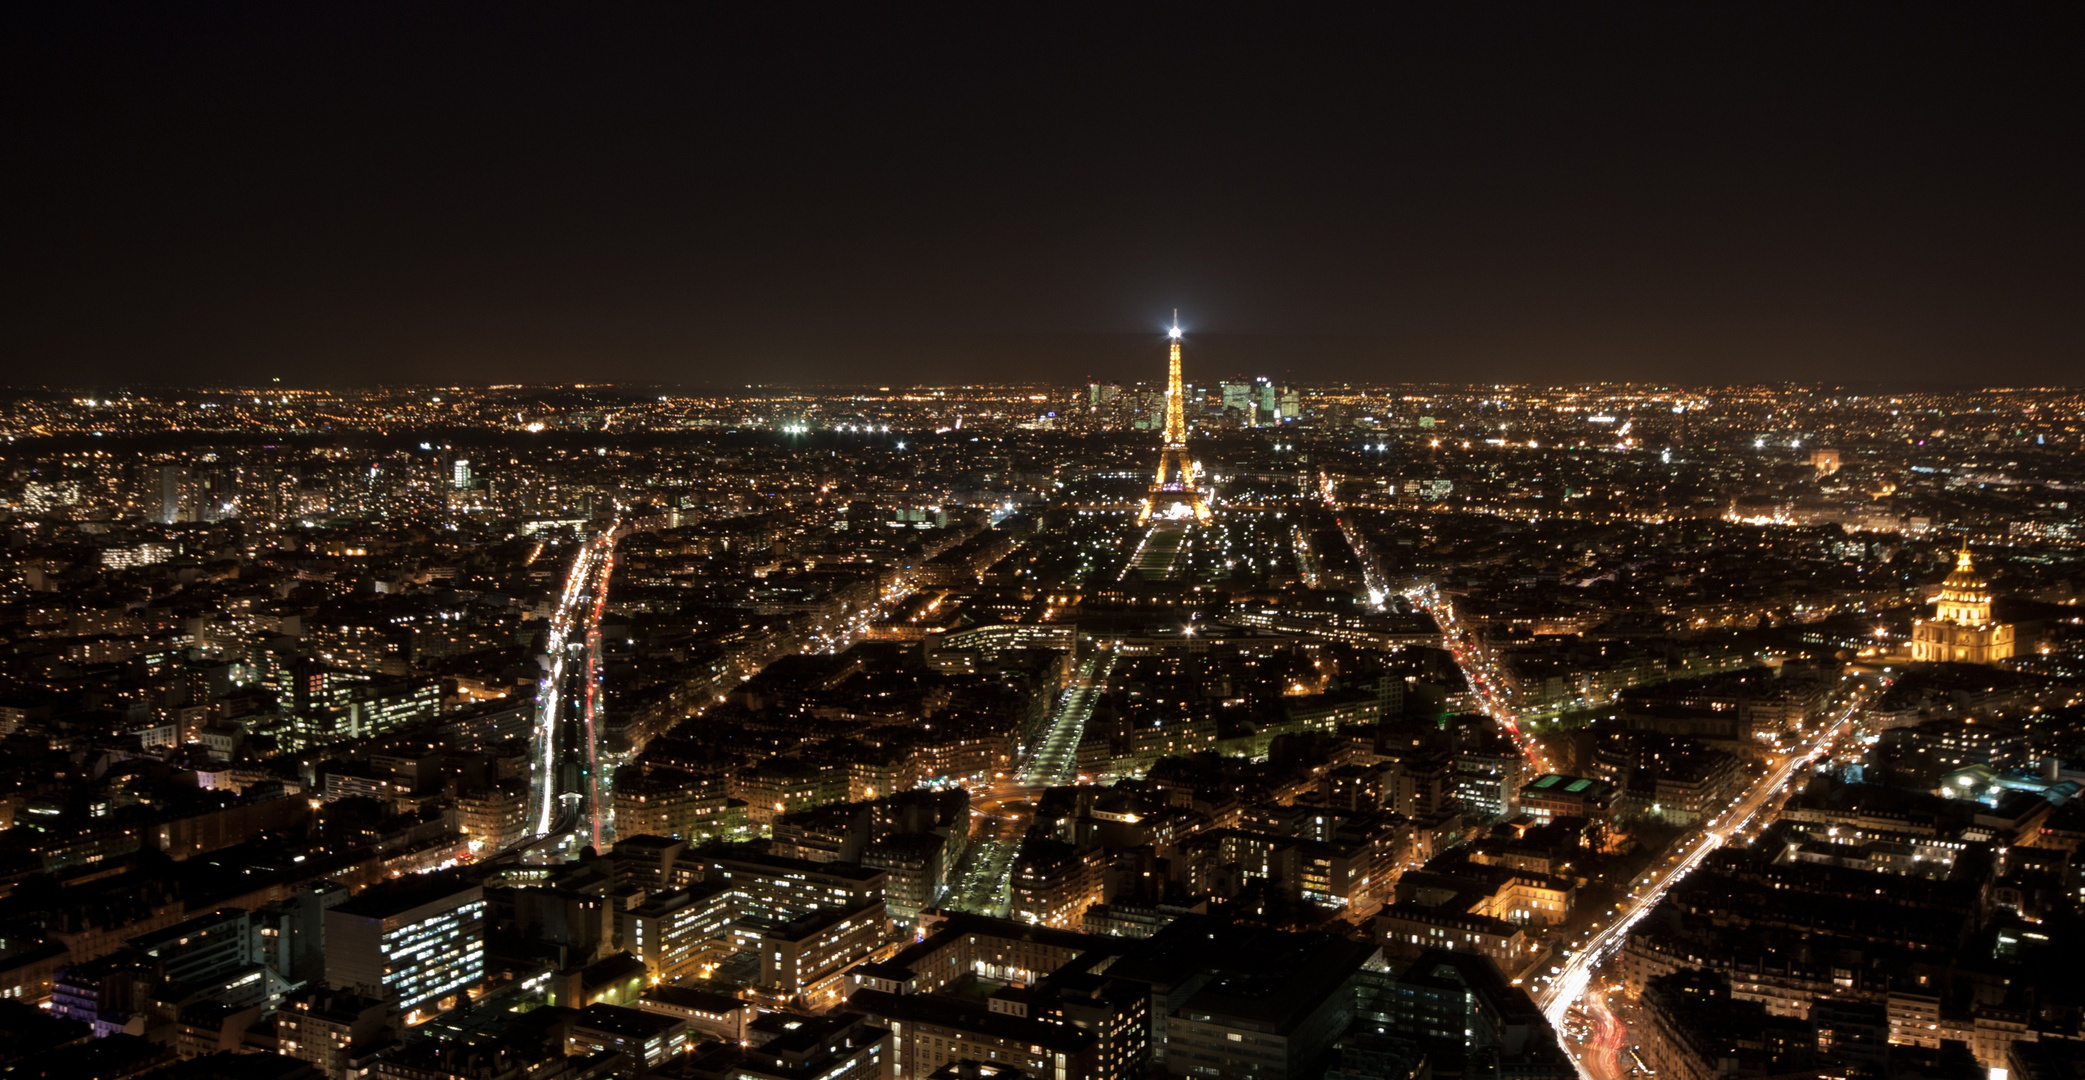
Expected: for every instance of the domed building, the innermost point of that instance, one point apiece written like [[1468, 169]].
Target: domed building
[[1961, 630]]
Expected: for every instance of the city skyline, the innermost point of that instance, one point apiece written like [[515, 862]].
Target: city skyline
[[1107, 543], [601, 724]]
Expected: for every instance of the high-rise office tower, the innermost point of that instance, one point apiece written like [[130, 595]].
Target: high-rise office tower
[[172, 480]]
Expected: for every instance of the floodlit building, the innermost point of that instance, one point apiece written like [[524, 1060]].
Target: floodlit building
[[650, 1037], [806, 960], [1555, 796], [416, 940], [330, 1027], [1961, 630], [671, 930]]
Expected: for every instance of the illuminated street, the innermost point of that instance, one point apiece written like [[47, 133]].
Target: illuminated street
[[568, 796], [1054, 758], [1566, 985]]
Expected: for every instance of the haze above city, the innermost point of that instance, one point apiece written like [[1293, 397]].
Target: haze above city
[[363, 194]]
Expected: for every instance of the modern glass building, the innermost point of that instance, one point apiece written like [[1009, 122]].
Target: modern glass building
[[417, 941]]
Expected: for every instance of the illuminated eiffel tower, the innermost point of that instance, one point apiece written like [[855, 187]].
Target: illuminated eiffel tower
[[1177, 484]]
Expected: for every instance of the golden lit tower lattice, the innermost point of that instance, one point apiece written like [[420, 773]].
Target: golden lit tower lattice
[[1178, 479]]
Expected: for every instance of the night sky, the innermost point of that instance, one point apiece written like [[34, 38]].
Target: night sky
[[352, 193]]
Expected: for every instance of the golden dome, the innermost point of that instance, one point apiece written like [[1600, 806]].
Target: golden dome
[[1965, 578], [1965, 597]]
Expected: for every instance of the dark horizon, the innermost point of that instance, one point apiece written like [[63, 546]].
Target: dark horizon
[[1874, 195]]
